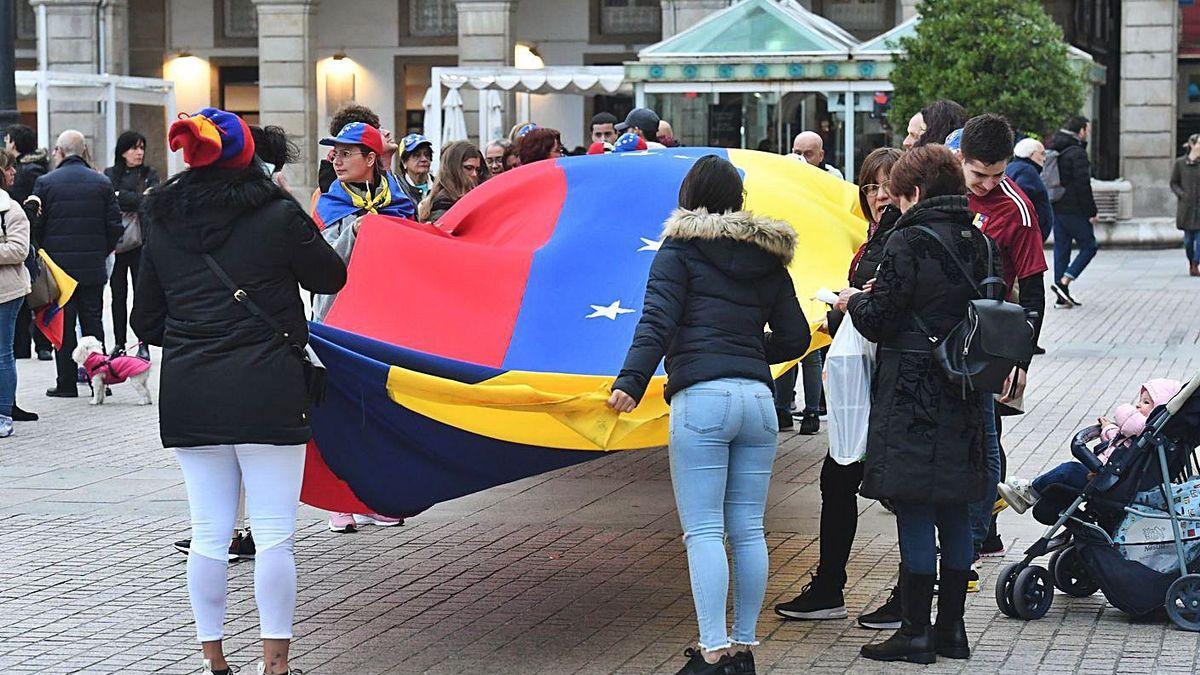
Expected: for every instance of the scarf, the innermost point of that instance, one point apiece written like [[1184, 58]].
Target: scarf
[[342, 200]]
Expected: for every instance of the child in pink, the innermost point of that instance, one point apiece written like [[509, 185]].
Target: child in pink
[[1128, 422]]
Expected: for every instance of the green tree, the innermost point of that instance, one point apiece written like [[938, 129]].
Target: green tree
[[1001, 56]]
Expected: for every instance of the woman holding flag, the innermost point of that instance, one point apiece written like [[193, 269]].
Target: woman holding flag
[[363, 186]]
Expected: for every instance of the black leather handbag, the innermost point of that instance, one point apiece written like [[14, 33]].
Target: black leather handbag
[[994, 337]]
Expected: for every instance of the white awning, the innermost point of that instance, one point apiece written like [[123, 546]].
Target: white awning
[[50, 85], [549, 80], [577, 80]]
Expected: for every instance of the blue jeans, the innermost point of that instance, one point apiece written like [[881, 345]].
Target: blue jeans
[[1070, 228], [1191, 245], [1073, 474], [810, 374], [981, 511], [915, 524], [8, 365], [723, 438]]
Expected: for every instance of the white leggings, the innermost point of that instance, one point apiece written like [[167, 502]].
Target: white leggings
[[214, 476]]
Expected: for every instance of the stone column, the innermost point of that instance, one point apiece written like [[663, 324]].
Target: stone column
[[287, 89], [485, 38], [1149, 53], [680, 15], [72, 33], [907, 10]]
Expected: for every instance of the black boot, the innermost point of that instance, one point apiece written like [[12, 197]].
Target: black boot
[[949, 629], [914, 642]]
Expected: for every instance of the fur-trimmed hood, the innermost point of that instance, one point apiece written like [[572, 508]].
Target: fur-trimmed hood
[[37, 156], [743, 245], [198, 207]]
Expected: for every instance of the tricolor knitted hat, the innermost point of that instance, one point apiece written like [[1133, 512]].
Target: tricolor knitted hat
[[213, 137]]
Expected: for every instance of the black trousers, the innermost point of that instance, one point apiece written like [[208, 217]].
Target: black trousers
[[124, 277], [86, 307], [25, 331], [839, 518]]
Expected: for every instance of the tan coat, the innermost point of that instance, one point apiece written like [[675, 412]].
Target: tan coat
[[14, 247]]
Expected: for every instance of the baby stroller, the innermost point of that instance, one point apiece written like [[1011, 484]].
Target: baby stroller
[[1112, 536]]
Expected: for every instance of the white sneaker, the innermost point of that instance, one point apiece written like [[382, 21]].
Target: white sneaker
[[208, 669], [1019, 494], [6, 426], [376, 519]]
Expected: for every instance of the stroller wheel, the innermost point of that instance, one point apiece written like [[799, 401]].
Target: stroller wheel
[[1183, 602], [1004, 589], [1069, 574], [1033, 593]]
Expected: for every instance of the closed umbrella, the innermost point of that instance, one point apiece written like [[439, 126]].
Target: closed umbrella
[[493, 108], [454, 124]]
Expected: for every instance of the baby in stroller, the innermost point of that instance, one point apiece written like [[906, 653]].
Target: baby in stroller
[[1128, 422]]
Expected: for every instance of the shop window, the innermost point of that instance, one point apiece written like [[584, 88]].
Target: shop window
[[26, 24], [236, 23], [862, 18], [428, 22], [628, 21], [413, 79], [238, 88]]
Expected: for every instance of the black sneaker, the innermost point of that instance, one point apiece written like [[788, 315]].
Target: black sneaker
[[696, 664], [1062, 292], [886, 617], [45, 355], [20, 415], [184, 546], [785, 420], [244, 545], [993, 547], [817, 601], [810, 424], [743, 663]]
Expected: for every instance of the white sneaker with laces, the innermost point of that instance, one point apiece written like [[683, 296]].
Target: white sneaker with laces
[[1019, 494]]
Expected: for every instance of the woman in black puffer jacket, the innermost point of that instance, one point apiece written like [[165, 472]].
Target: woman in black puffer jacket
[[131, 177], [233, 403], [719, 278], [925, 440]]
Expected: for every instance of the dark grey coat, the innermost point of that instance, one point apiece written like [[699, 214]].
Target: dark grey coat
[[1185, 183], [925, 442]]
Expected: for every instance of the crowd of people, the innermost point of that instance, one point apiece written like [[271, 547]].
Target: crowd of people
[[217, 254]]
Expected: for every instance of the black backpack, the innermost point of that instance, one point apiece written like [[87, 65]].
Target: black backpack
[[980, 352]]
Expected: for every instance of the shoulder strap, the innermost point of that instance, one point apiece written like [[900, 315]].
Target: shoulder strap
[[987, 281], [240, 296]]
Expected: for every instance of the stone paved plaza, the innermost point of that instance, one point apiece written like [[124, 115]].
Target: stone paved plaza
[[577, 571]]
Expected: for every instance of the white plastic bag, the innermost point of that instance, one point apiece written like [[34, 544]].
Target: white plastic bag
[[849, 367]]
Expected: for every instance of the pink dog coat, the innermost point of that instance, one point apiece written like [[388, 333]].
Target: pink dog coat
[[115, 370]]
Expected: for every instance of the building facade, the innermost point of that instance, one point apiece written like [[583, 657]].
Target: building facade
[[292, 62]]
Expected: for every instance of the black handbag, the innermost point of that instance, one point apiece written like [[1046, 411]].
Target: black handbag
[[980, 352], [314, 370]]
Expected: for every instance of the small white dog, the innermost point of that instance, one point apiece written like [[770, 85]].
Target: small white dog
[[105, 370]]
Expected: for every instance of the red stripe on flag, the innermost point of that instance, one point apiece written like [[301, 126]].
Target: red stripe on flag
[[325, 490], [454, 291]]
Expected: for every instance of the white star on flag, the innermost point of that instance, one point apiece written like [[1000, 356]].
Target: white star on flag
[[650, 244], [610, 312]]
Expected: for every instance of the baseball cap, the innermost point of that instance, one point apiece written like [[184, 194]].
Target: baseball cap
[[600, 148], [628, 142], [642, 118], [526, 129], [954, 140], [357, 133], [411, 142]]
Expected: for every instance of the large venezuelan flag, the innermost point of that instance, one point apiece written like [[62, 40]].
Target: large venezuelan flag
[[480, 351]]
